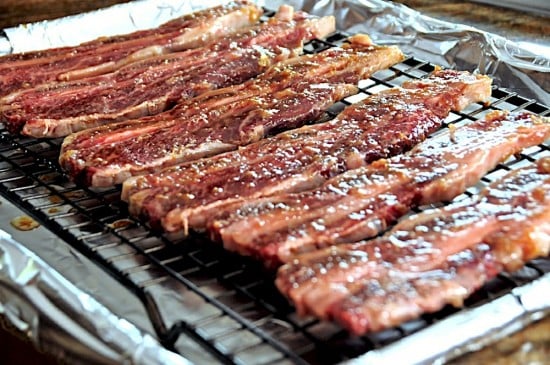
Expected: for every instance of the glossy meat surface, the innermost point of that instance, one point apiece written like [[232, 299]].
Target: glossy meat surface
[[428, 260], [383, 125]]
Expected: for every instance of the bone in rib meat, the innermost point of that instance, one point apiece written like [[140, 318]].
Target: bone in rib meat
[[287, 95], [155, 84], [428, 260], [382, 125]]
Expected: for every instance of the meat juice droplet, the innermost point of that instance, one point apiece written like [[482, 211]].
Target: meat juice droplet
[[121, 223], [24, 223], [53, 210]]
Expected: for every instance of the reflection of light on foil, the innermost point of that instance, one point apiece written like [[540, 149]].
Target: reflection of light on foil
[[83, 27], [43, 295], [535, 48]]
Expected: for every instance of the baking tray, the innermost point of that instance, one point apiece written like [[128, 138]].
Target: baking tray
[[194, 292]]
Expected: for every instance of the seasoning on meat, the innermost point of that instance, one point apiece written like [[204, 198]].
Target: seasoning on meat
[[382, 125], [428, 260], [287, 95], [361, 203], [155, 84], [106, 54]]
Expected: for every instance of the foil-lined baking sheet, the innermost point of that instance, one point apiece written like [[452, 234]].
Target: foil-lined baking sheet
[[62, 319], [68, 306], [114, 323]]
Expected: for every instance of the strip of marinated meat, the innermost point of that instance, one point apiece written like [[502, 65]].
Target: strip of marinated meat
[[288, 95], [399, 296], [109, 53], [362, 202], [525, 234], [155, 84], [383, 125], [428, 260]]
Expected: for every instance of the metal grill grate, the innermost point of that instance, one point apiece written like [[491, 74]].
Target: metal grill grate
[[225, 302]]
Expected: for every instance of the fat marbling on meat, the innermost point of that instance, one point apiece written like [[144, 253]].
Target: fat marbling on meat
[[361, 203], [106, 54], [155, 84], [289, 94]]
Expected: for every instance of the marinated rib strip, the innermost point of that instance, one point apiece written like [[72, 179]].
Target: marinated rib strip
[[362, 202], [109, 53], [289, 94], [155, 84], [428, 260], [304, 158], [525, 235], [399, 296]]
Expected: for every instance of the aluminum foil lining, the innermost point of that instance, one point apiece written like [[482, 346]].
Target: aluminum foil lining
[[512, 66], [72, 30], [35, 294]]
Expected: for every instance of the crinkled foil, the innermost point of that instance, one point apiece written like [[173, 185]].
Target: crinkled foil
[[447, 44], [57, 315], [68, 305]]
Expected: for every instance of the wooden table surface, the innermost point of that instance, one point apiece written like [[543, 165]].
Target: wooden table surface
[[508, 23], [530, 346], [14, 12]]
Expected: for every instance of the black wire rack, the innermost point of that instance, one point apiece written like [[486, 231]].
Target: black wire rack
[[226, 303]]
